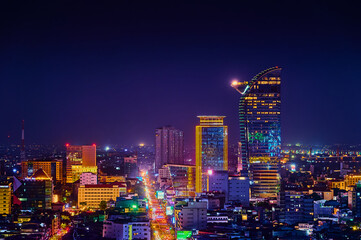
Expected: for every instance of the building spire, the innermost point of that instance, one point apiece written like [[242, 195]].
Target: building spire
[[22, 151]]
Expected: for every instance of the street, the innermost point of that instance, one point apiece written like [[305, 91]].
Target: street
[[160, 226]]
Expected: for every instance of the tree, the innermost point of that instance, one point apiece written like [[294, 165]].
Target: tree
[[83, 204], [103, 205]]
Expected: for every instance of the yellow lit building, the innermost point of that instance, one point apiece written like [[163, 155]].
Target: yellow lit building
[[5, 199], [52, 167], [92, 195], [77, 170], [351, 180], [211, 148], [79, 159], [111, 179], [348, 183]]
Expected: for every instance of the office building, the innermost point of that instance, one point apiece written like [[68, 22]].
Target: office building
[[169, 147], [89, 156], [87, 178], [296, 207], [130, 167], [35, 192], [79, 159], [136, 228], [182, 178], [93, 194], [238, 190], [260, 131], [211, 148], [323, 208], [191, 215], [218, 181], [52, 167], [235, 188], [5, 198], [356, 200]]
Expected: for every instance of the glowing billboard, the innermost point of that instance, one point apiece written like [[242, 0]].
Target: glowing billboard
[[169, 210], [160, 194], [183, 235]]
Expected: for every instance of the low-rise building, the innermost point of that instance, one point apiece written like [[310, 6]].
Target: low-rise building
[[110, 178], [214, 219], [191, 215], [92, 195], [88, 178], [5, 199], [121, 229]]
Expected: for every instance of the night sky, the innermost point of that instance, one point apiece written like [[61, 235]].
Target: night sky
[[111, 72]]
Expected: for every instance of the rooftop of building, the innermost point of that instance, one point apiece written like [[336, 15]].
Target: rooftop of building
[[44, 160], [109, 185], [128, 219], [40, 174]]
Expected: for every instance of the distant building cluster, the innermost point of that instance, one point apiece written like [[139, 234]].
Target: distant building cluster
[[255, 188]]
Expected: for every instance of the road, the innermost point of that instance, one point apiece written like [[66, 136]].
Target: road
[[161, 228]]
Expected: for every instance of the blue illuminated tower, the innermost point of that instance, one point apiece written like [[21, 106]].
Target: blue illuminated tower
[[260, 130]]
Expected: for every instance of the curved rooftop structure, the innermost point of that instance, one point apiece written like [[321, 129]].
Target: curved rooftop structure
[[244, 87]]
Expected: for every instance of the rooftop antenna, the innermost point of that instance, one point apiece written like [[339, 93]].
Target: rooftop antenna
[[22, 152]]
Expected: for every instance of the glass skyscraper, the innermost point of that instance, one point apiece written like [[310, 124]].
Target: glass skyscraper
[[211, 148], [260, 131]]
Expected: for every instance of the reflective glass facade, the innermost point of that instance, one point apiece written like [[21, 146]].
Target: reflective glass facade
[[260, 130], [211, 148]]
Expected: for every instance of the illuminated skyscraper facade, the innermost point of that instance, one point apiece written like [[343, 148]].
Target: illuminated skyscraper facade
[[260, 130], [169, 146], [211, 148]]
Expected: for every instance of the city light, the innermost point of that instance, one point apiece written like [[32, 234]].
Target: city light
[[122, 87], [234, 83]]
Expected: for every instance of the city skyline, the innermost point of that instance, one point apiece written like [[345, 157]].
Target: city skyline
[[89, 83], [180, 120]]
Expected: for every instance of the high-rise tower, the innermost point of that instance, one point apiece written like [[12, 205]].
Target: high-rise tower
[[260, 130], [211, 149], [169, 147]]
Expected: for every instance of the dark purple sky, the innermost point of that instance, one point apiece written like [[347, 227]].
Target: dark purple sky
[[112, 72]]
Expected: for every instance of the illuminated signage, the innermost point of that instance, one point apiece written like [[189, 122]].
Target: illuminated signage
[[160, 194], [293, 167], [169, 210], [183, 235]]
